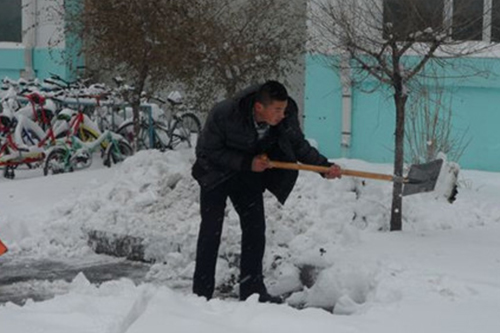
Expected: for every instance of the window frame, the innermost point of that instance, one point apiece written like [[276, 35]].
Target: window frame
[[487, 20], [28, 25], [16, 43], [399, 25], [480, 36], [492, 38]]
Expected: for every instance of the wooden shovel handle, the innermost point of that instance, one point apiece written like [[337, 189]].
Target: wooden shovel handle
[[365, 174], [323, 169]]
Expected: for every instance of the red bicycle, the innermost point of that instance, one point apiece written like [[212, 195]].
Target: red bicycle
[[11, 155]]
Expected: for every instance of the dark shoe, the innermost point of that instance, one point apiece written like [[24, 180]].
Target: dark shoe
[[265, 297]]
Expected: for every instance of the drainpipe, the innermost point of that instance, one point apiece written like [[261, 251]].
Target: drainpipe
[[345, 79], [29, 40]]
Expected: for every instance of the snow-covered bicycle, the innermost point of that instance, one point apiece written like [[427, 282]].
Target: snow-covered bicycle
[[72, 154]]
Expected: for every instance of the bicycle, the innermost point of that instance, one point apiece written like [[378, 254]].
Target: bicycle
[[80, 125], [72, 154], [11, 155], [190, 120], [161, 131]]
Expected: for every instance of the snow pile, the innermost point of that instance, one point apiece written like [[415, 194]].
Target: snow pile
[[153, 196], [68, 313], [120, 306], [150, 196]]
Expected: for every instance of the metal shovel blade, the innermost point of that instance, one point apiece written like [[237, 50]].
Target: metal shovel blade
[[422, 177]]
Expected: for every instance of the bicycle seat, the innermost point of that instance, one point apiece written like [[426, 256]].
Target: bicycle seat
[[36, 98], [174, 98], [174, 102]]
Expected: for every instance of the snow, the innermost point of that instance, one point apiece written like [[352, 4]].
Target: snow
[[328, 248]]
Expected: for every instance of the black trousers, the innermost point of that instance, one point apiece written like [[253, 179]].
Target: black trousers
[[246, 193]]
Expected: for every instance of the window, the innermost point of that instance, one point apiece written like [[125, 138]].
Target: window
[[409, 16], [467, 19], [11, 21], [495, 21]]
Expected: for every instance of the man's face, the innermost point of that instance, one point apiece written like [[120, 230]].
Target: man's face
[[272, 113]]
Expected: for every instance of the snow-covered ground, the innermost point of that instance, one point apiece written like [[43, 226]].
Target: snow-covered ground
[[328, 248]]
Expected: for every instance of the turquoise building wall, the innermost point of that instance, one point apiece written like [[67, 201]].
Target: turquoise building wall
[[475, 102], [42, 27], [11, 62], [323, 107], [45, 61]]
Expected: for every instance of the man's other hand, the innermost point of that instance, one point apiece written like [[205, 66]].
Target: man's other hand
[[334, 172], [260, 163]]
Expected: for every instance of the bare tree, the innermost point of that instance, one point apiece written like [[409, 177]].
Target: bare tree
[[210, 47], [145, 41], [429, 126], [248, 41], [394, 41]]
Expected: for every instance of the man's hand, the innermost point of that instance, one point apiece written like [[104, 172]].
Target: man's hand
[[334, 172], [260, 163]]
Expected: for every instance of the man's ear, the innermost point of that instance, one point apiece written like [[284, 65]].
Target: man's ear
[[259, 107], [259, 111]]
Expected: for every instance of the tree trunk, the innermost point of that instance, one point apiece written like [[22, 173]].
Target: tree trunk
[[136, 104], [400, 98]]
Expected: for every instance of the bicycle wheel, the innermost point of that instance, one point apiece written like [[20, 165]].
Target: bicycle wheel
[[180, 136], [57, 162], [191, 122], [127, 132], [161, 138], [81, 159], [117, 152]]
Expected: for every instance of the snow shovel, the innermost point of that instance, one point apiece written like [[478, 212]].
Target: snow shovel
[[421, 177], [3, 248]]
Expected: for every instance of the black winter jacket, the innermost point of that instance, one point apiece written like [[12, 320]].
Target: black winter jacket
[[229, 142]]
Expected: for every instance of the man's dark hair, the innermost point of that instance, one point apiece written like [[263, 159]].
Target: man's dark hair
[[271, 91]]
